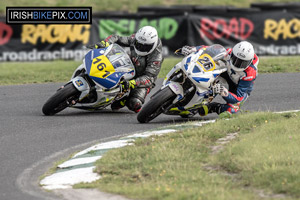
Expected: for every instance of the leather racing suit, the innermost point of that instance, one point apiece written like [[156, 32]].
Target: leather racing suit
[[240, 86], [147, 69]]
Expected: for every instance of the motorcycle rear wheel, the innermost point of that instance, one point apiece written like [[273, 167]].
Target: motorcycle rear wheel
[[156, 105], [60, 100]]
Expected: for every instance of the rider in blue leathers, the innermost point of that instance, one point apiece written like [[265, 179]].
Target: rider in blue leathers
[[240, 76]]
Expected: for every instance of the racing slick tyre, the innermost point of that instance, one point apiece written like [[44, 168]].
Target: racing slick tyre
[[60, 100], [156, 105]]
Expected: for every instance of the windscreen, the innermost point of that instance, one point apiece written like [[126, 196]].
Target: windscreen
[[119, 58], [219, 55]]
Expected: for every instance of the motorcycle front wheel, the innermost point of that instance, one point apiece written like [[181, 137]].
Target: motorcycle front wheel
[[156, 105], [60, 100]]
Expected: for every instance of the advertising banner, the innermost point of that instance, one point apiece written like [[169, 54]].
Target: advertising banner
[[271, 33], [31, 42], [172, 29], [34, 42]]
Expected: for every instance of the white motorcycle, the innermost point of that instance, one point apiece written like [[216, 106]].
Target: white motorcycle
[[95, 84], [188, 85]]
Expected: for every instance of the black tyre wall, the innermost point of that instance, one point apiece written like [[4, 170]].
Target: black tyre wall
[[153, 107], [57, 102]]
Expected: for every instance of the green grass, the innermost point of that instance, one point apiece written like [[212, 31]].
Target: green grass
[[36, 72], [268, 158], [127, 5], [61, 71], [263, 159], [279, 64]]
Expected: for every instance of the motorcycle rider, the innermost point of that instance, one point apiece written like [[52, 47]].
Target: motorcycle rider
[[240, 76], [146, 55]]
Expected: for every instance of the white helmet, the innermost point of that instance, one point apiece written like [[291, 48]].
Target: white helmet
[[241, 56], [146, 40]]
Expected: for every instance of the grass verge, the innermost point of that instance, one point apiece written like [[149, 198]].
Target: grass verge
[[61, 71], [12, 73], [262, 161]]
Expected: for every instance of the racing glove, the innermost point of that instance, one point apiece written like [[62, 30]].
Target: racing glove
[[128, 84], [187, 50], [98, 45], [220, 89]]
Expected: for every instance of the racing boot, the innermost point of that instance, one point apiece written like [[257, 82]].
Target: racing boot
[[116, 105], [209, 108], [187, 114], [134, 104]]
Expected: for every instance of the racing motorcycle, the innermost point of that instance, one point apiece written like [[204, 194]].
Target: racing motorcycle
[[188, 85], [95, 84]]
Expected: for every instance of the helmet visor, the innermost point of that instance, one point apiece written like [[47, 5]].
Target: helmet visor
[[143, 47], [239, 63]]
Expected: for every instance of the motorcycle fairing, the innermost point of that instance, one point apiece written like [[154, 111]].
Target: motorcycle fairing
[[81, 85], [200, 79], [206, 62], [102, 71], [201, 68], [186, 65]]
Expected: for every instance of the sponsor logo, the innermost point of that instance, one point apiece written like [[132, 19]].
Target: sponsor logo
[[37, 55], [142, 38], [49, 15], [241, 55], [248, 78], [55, 33], [167, 27], [79, 83], [239, 28], [282, 28], [175, 87]]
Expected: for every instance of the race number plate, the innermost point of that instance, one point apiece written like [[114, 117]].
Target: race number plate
[[206, 62], [101, 67]]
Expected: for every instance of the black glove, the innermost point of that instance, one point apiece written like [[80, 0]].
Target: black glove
[[98, 45], [128, 84]]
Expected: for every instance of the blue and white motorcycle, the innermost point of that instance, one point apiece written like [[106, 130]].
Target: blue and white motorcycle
[[188, 85], [95, 84]]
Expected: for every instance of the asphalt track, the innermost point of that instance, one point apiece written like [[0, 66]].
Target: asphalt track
[[31, 142]]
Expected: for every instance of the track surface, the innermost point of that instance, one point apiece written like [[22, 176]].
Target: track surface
[[31, 142]]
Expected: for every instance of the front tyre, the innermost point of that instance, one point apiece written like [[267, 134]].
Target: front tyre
[[60, 100], [156, 105]]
